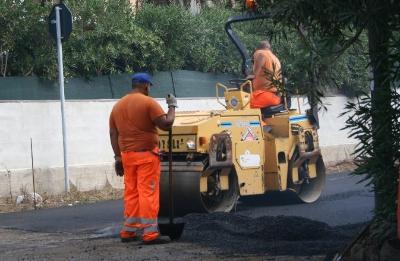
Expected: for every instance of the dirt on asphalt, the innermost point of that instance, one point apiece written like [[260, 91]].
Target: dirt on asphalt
[[218, 236]]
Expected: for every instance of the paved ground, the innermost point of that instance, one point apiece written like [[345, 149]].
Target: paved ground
[[344, 201], [253, 232]]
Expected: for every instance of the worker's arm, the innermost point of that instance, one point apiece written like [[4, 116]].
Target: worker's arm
[[272, 89], [114, 143], [250, 77], [165, 122], [119, 168]]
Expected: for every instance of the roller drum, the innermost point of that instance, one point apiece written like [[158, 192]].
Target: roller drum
[[310, 192], [186, 190], [186, 193]]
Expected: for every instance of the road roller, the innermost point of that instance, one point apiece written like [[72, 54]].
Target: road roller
[[219, 156]]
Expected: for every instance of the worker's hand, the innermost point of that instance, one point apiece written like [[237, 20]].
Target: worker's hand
[[250, 77], [119, 168], [171, 100]]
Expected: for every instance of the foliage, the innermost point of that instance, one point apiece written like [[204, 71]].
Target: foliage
[[192, 42], [172, 25], [109, 38], [368, 157], [351, 69], [327, 54], [105, 39], [329, 29], [212, 51], [23, 31], [302, 66]]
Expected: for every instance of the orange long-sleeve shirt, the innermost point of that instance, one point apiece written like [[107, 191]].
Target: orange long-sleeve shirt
[[133, 117]]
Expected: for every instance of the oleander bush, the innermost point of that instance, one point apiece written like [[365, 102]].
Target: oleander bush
[[109, 37]]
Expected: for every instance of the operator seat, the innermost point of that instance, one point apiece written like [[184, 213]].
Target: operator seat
[[267, 112], [271, 110]]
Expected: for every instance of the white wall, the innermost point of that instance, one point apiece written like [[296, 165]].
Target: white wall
[[335, 144], [89, 151]]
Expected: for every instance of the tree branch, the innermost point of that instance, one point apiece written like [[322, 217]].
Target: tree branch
[[349, 43]]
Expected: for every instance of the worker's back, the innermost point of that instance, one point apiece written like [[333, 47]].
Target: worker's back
[[133, 116], [272, 64]]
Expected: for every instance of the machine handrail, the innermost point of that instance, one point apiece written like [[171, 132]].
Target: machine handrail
[[247, 82], [226, 89], [217, 86]]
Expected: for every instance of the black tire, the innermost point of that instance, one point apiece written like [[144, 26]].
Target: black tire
[[225, 200], [308, 192]]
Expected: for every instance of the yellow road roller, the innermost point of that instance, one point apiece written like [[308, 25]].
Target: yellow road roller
[[219, 156]]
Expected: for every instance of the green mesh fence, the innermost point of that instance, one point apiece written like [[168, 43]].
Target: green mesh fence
[[182, 83]]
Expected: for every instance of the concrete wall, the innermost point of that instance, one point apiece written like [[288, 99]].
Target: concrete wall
[[90, 154]]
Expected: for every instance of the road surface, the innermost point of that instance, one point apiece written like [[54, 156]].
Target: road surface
[[259, 227]]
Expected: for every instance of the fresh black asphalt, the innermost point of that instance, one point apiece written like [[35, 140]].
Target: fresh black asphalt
[[344, 201]]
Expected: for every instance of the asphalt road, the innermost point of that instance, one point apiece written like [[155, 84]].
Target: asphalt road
[[344, 201]]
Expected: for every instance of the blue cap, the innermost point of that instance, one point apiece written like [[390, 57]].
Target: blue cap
[[141, 78]]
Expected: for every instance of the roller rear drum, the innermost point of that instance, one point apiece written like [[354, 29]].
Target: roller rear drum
[[310, 190]]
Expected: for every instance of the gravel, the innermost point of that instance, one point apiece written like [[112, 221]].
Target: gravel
[[280, 235], [218, 236]]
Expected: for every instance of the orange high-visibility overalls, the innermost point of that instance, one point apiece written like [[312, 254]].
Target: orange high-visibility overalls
[[142, 193], [133, 116]]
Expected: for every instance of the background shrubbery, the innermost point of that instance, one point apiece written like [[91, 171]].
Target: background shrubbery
[[109, 38]]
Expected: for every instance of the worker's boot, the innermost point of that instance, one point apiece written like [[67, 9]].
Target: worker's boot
[[153, 238], [157, 241], [127, 236]]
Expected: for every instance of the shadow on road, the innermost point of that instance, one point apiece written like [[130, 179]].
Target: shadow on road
[[274, 198]]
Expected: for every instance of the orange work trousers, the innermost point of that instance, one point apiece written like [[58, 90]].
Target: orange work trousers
[[142, 194], [263, 99]]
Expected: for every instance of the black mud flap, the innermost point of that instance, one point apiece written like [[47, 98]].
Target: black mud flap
[[220, 151]]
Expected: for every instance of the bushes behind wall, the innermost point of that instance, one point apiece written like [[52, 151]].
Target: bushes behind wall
[[108, 38]]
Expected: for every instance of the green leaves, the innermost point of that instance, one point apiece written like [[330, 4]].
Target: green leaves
[[23, 30], [341, 38], [106, 40], [109, 38], [373, 144]]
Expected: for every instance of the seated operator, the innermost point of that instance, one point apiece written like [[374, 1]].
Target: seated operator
[[266, 73]]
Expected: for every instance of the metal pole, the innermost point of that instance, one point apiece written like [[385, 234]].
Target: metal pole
[[62, 96], [33, 178], [298, 101], [170, 182]]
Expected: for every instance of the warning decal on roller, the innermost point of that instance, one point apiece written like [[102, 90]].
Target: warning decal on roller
[[248, 160], [249, 135]]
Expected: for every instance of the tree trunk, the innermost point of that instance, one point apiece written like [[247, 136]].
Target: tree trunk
[[378, 38]]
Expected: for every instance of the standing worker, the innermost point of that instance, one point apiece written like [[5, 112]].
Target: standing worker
[[266, 72], [134, 139]]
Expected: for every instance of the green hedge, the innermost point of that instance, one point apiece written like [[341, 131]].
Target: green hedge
[[109, 38]]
